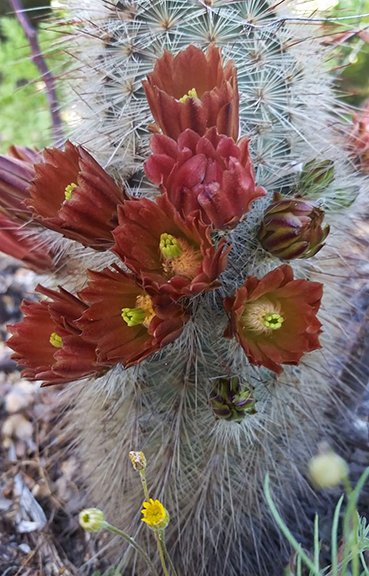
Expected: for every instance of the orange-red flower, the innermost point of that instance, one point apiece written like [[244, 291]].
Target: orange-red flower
[[23, 242], [194, 90], [211, 174], [274, 318], [124, 321], [171, 254], [47, 342], [72, 194]]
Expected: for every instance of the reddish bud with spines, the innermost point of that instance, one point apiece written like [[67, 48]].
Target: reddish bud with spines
[[210, 174], [292, 228]]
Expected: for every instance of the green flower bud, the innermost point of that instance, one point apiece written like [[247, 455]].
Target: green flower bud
[[92, 519], [328, 470], [315, 177], [292, 228], [229, 401]]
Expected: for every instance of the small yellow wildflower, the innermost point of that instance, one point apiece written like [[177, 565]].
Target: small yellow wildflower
[[92, 519], [154, 514]]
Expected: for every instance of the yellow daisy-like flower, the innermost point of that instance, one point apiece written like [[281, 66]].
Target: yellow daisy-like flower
[[154, 514]]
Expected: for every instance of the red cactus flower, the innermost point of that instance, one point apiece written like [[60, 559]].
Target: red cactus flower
[[126, 322], [16, 173], [358, 141], [165, 251], [47, 342], [23, 242], [72, 194], [211, 174], [274, 318], [194, 90]]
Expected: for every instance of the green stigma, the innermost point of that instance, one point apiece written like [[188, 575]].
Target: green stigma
[[190, 94], [273, 321], [170, 247], [68, 192], [133, 316], [56, 340]]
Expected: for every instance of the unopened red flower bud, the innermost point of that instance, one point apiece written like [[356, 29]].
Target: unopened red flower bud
[[292, 228]]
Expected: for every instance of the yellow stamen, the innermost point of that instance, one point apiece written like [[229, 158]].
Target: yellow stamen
[[179, 257], [143, 313], [56, 340], [145, 303], [262, 316], [68, 192], [190, 94]]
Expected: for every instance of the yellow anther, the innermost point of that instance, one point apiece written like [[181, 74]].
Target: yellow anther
[[190, 94], [56, 340], [68, 192]]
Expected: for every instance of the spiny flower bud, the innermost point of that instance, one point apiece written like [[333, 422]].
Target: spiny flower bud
[[315, 177], [292, 228], [92, 519], [229, 401], [328, 470], [138, 460]]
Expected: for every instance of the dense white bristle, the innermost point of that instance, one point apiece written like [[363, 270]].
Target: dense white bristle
[[209, 473]]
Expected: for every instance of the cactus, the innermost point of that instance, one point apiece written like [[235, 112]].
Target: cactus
[[210, 412]]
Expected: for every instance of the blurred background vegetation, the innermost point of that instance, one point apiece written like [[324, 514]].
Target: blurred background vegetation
[[25, 116], [24, 112]]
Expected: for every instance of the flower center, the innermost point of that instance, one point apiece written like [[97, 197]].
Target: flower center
[[56, 340], [262, 316], [190, 94], [179, 258], [143, 313], [68, 192]]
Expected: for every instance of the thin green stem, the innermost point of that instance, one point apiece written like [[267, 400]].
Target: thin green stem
[[144, 484], [316, 543], [160, 546], [134, 545], [170, 561], [350, 525], [284, 529], [334, 537]]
